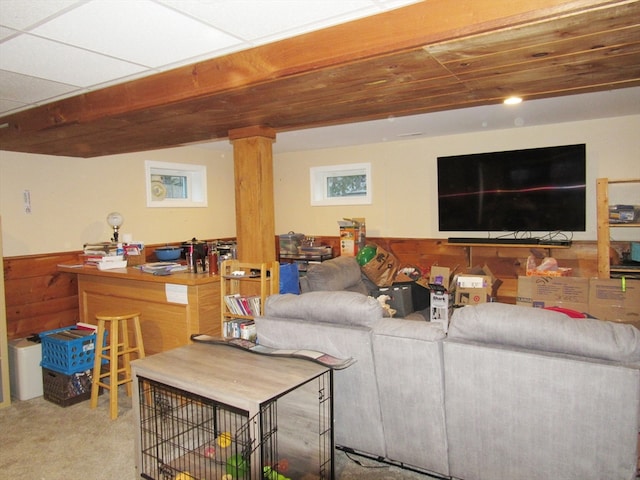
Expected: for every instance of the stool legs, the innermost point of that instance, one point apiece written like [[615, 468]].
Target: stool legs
[[113, 368], [97, 364], [118, 349]]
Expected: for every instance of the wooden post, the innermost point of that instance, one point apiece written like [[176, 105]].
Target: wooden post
[[253, 173], [5, 392], [602, 209]]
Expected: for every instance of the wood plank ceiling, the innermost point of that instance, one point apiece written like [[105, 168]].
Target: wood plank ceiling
[[432, 56]]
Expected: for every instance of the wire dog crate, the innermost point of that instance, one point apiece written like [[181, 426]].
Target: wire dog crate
[[188, 435]]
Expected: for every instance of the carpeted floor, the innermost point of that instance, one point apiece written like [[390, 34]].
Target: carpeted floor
[[42, 441]]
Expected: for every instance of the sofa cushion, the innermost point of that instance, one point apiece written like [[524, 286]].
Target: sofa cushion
[[349, 308], [340, 273], [546, 330]]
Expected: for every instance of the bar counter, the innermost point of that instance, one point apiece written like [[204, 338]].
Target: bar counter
[[172, 307]]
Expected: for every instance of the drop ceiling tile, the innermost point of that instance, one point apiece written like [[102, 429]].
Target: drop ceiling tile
[[7, 106], [141, 32], [21, 14], [391, 4], [251, 20], [26, 89], [42, 58], [6, 32]]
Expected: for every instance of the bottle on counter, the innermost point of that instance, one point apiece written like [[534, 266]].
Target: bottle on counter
[[190, 260], [213, 262]]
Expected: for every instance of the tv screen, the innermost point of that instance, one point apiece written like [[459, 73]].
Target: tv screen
[[537, 189]]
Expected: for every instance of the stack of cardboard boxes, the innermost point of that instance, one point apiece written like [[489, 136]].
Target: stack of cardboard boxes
[[465, 289], [613, 299]]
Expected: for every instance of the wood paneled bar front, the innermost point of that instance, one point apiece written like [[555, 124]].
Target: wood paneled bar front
[[172, 307]]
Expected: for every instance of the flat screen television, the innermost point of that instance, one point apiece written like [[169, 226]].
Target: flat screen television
[[536, 189]]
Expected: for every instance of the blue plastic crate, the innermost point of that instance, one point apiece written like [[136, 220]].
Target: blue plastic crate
[[65, 354]]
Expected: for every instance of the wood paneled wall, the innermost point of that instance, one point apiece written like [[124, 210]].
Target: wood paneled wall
[[506, 263], [40, 298]]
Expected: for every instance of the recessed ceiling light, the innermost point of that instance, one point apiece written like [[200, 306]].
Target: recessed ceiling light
[[512, 100]]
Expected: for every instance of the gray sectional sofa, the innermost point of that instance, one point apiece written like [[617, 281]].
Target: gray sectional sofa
[[510, 393]]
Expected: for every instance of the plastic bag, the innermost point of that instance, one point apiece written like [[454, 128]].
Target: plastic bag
[[289, 278]]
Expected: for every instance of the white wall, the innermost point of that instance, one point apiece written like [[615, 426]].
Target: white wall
[[405, 184], [71, 198]]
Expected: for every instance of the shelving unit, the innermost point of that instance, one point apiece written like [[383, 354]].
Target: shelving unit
[[304, 259], [604, 227], [256, 280], [5, 391], [507, 245], [468, 248]]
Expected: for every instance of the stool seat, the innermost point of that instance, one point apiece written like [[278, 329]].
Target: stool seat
[[116, 348]]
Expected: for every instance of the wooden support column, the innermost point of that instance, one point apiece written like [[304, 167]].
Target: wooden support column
[[253, 173]]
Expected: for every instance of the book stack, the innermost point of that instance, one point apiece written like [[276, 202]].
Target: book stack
[[243, 305], [240, 328], [109, 262], [162, 268], [93, 253]]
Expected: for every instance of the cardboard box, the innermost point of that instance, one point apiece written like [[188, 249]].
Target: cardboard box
[[566, 292], [440, 310], [352, 235], [471, 289], [439, 276], [615, 300]]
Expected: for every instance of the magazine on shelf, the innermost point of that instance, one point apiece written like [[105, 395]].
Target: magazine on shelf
[[313, 355]]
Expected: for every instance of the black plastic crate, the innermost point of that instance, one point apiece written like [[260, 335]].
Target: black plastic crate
[[65, 390]]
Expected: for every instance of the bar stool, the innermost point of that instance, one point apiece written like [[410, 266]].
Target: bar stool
[[117, 347]]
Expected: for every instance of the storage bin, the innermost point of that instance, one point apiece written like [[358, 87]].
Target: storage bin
[[68, 350], [400, 300], [290, 243], [65, 390]]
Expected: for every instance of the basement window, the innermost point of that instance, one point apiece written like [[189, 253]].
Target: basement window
[[175, 184], [341, 184]]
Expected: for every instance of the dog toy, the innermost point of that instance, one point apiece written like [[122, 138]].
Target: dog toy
[[382, 300]]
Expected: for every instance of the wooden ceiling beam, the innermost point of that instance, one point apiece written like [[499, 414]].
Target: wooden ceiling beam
[[408, 60]]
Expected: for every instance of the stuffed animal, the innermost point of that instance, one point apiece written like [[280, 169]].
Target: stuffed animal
[[388, 311]]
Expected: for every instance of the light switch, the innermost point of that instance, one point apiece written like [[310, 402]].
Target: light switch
[[26, 195]]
